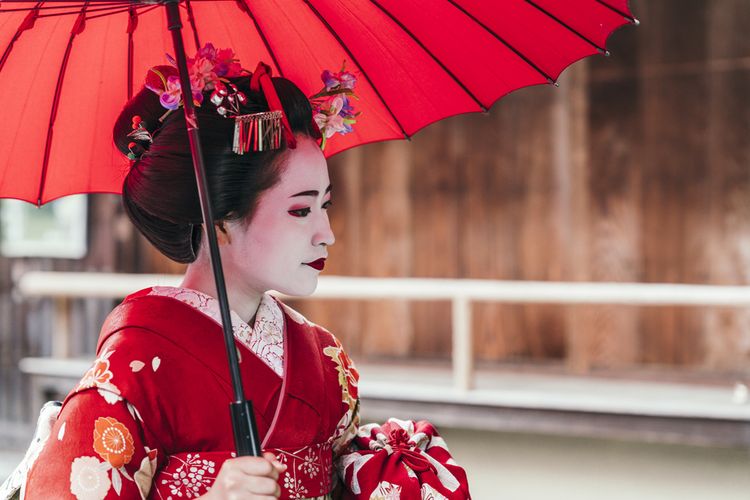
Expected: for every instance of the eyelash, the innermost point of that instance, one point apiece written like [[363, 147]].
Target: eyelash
[[304, 212]]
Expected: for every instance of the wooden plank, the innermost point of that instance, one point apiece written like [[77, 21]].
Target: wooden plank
[[674, 174], [539, 238], [614, 221], [490, 207], [436, 161], [727, 333], [386, 327]]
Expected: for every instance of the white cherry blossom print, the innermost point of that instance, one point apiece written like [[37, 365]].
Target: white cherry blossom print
[[430, 493], [310, 465], [100, 376], [192, 478], [386, 491], [137, 365], [293, 486], [88, 479]]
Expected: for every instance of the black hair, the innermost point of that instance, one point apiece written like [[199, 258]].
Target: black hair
[[160, 194]]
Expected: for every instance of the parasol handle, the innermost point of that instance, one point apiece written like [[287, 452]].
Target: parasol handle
[[243, 419]]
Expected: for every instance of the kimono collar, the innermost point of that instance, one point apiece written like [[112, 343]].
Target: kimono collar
[[265, 338]]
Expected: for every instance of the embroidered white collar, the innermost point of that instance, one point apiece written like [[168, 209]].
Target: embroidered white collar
[[265, 339]]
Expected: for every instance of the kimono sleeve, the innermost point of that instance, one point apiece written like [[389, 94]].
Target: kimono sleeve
[[95, 451]]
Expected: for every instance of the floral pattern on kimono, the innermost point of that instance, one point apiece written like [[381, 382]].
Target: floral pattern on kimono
[[149, 419]]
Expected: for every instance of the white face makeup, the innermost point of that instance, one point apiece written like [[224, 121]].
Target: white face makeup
[[289, 228]]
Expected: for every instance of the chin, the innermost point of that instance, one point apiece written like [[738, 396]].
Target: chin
[[303, 288]]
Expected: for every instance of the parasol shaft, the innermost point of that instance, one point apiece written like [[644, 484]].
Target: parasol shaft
[[243, 419]]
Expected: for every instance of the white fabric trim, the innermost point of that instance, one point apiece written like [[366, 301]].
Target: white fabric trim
[[265, 339]]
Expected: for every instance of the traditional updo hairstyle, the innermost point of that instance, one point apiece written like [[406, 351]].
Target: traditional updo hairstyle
[[160, 194]]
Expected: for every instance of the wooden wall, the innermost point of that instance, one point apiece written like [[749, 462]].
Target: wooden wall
[[635, 169]]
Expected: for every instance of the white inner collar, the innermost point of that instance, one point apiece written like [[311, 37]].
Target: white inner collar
[[265, 339]]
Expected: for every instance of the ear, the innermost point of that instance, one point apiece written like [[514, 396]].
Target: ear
[[222, 235]]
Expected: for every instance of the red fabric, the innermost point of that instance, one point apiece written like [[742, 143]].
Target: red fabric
[[261, 79], [405, 459], [311, 466], [417, 62], [157, 398]]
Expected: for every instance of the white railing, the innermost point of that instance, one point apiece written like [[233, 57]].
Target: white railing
[[64, 285]]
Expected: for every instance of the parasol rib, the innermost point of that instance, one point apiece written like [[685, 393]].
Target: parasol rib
[[132, 26], [243, 6], [114, 4], [112, 9], [570, 28], [112, 12], [354, 60], [434, 58], [27, 23], [627, 16], [77, 28], [191, 20], [504, 42]]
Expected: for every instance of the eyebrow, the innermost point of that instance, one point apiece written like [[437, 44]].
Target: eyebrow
[[311, 193]]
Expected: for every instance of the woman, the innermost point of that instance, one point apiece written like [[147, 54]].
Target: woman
[[150, 418]]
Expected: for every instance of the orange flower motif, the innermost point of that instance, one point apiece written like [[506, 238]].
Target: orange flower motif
[[112, 441]]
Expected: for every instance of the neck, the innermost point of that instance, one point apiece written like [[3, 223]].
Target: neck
[[242, 299]]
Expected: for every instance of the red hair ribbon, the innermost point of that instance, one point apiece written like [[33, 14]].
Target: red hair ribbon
[[261, 81]]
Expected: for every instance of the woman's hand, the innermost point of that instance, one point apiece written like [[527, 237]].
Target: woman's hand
[[247, 478]]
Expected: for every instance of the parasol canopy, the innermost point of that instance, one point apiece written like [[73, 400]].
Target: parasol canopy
[[67, 68]]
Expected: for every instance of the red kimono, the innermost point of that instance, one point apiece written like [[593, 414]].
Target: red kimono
[[150, 419]]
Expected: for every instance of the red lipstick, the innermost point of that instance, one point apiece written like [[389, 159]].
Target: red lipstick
[[317, 264]]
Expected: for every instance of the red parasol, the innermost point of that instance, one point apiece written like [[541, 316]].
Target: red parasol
[[68, 67]]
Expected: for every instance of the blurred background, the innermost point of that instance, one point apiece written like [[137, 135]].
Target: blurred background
[[636, 170]]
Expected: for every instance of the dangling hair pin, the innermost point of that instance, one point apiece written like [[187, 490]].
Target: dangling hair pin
[[257, 132]]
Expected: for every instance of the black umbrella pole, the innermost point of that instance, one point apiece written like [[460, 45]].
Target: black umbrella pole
[[243, 419]]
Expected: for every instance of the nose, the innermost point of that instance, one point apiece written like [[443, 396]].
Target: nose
[[324, 233]]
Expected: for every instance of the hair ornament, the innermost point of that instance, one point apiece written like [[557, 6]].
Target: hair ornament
[[210, 71], [141, 134], [262, 131], [332, 108], [257, 132]]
